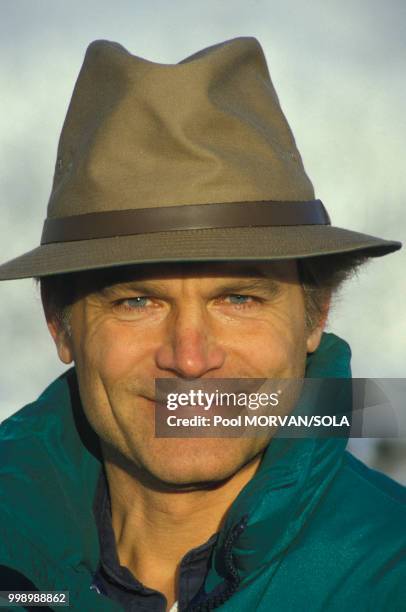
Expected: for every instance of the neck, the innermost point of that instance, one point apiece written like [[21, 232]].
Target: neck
[[154, 528]]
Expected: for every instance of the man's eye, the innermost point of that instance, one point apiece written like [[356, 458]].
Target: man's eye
[[240, 300], [135, 303]]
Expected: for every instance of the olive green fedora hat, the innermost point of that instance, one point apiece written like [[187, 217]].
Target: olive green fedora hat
[[192, 161]]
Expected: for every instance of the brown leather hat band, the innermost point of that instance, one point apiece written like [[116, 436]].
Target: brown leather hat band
[[189, 217]]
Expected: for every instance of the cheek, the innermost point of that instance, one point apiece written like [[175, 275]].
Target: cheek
[[278, 346], [110, 363], [282, 353], [112, 352], [111, 367], [115, 356]]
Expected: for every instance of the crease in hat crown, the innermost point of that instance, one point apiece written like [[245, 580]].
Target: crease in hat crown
[[209, 129]]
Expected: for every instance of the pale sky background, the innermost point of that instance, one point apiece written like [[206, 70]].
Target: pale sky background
[[339, 68]]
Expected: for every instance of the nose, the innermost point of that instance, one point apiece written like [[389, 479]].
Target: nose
[[191, 346]]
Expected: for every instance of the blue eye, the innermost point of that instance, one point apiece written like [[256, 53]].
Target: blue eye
[[239, 299], [137, 302]]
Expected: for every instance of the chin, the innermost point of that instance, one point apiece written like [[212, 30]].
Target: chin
[[197, 463]]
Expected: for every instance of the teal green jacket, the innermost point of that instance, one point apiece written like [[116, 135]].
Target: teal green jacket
[[323, 531]]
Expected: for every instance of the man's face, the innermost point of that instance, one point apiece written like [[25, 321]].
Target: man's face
[[217, 320]]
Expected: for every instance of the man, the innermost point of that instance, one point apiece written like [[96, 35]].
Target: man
[[183, 241]]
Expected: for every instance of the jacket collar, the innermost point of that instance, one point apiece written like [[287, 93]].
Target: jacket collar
[[292, 479]]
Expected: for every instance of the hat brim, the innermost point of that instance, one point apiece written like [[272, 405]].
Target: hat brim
[[225, 244]]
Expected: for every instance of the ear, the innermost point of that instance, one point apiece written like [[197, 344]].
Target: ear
[[62, 339], [314, 337]]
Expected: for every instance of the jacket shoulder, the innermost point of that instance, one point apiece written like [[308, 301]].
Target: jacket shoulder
[[373, 486], [354, 543]]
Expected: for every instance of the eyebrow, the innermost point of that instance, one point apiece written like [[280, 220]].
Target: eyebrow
[[141, 286], [262, 284]]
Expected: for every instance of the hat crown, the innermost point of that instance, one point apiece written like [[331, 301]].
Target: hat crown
[[185, 162], [140, 134]]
